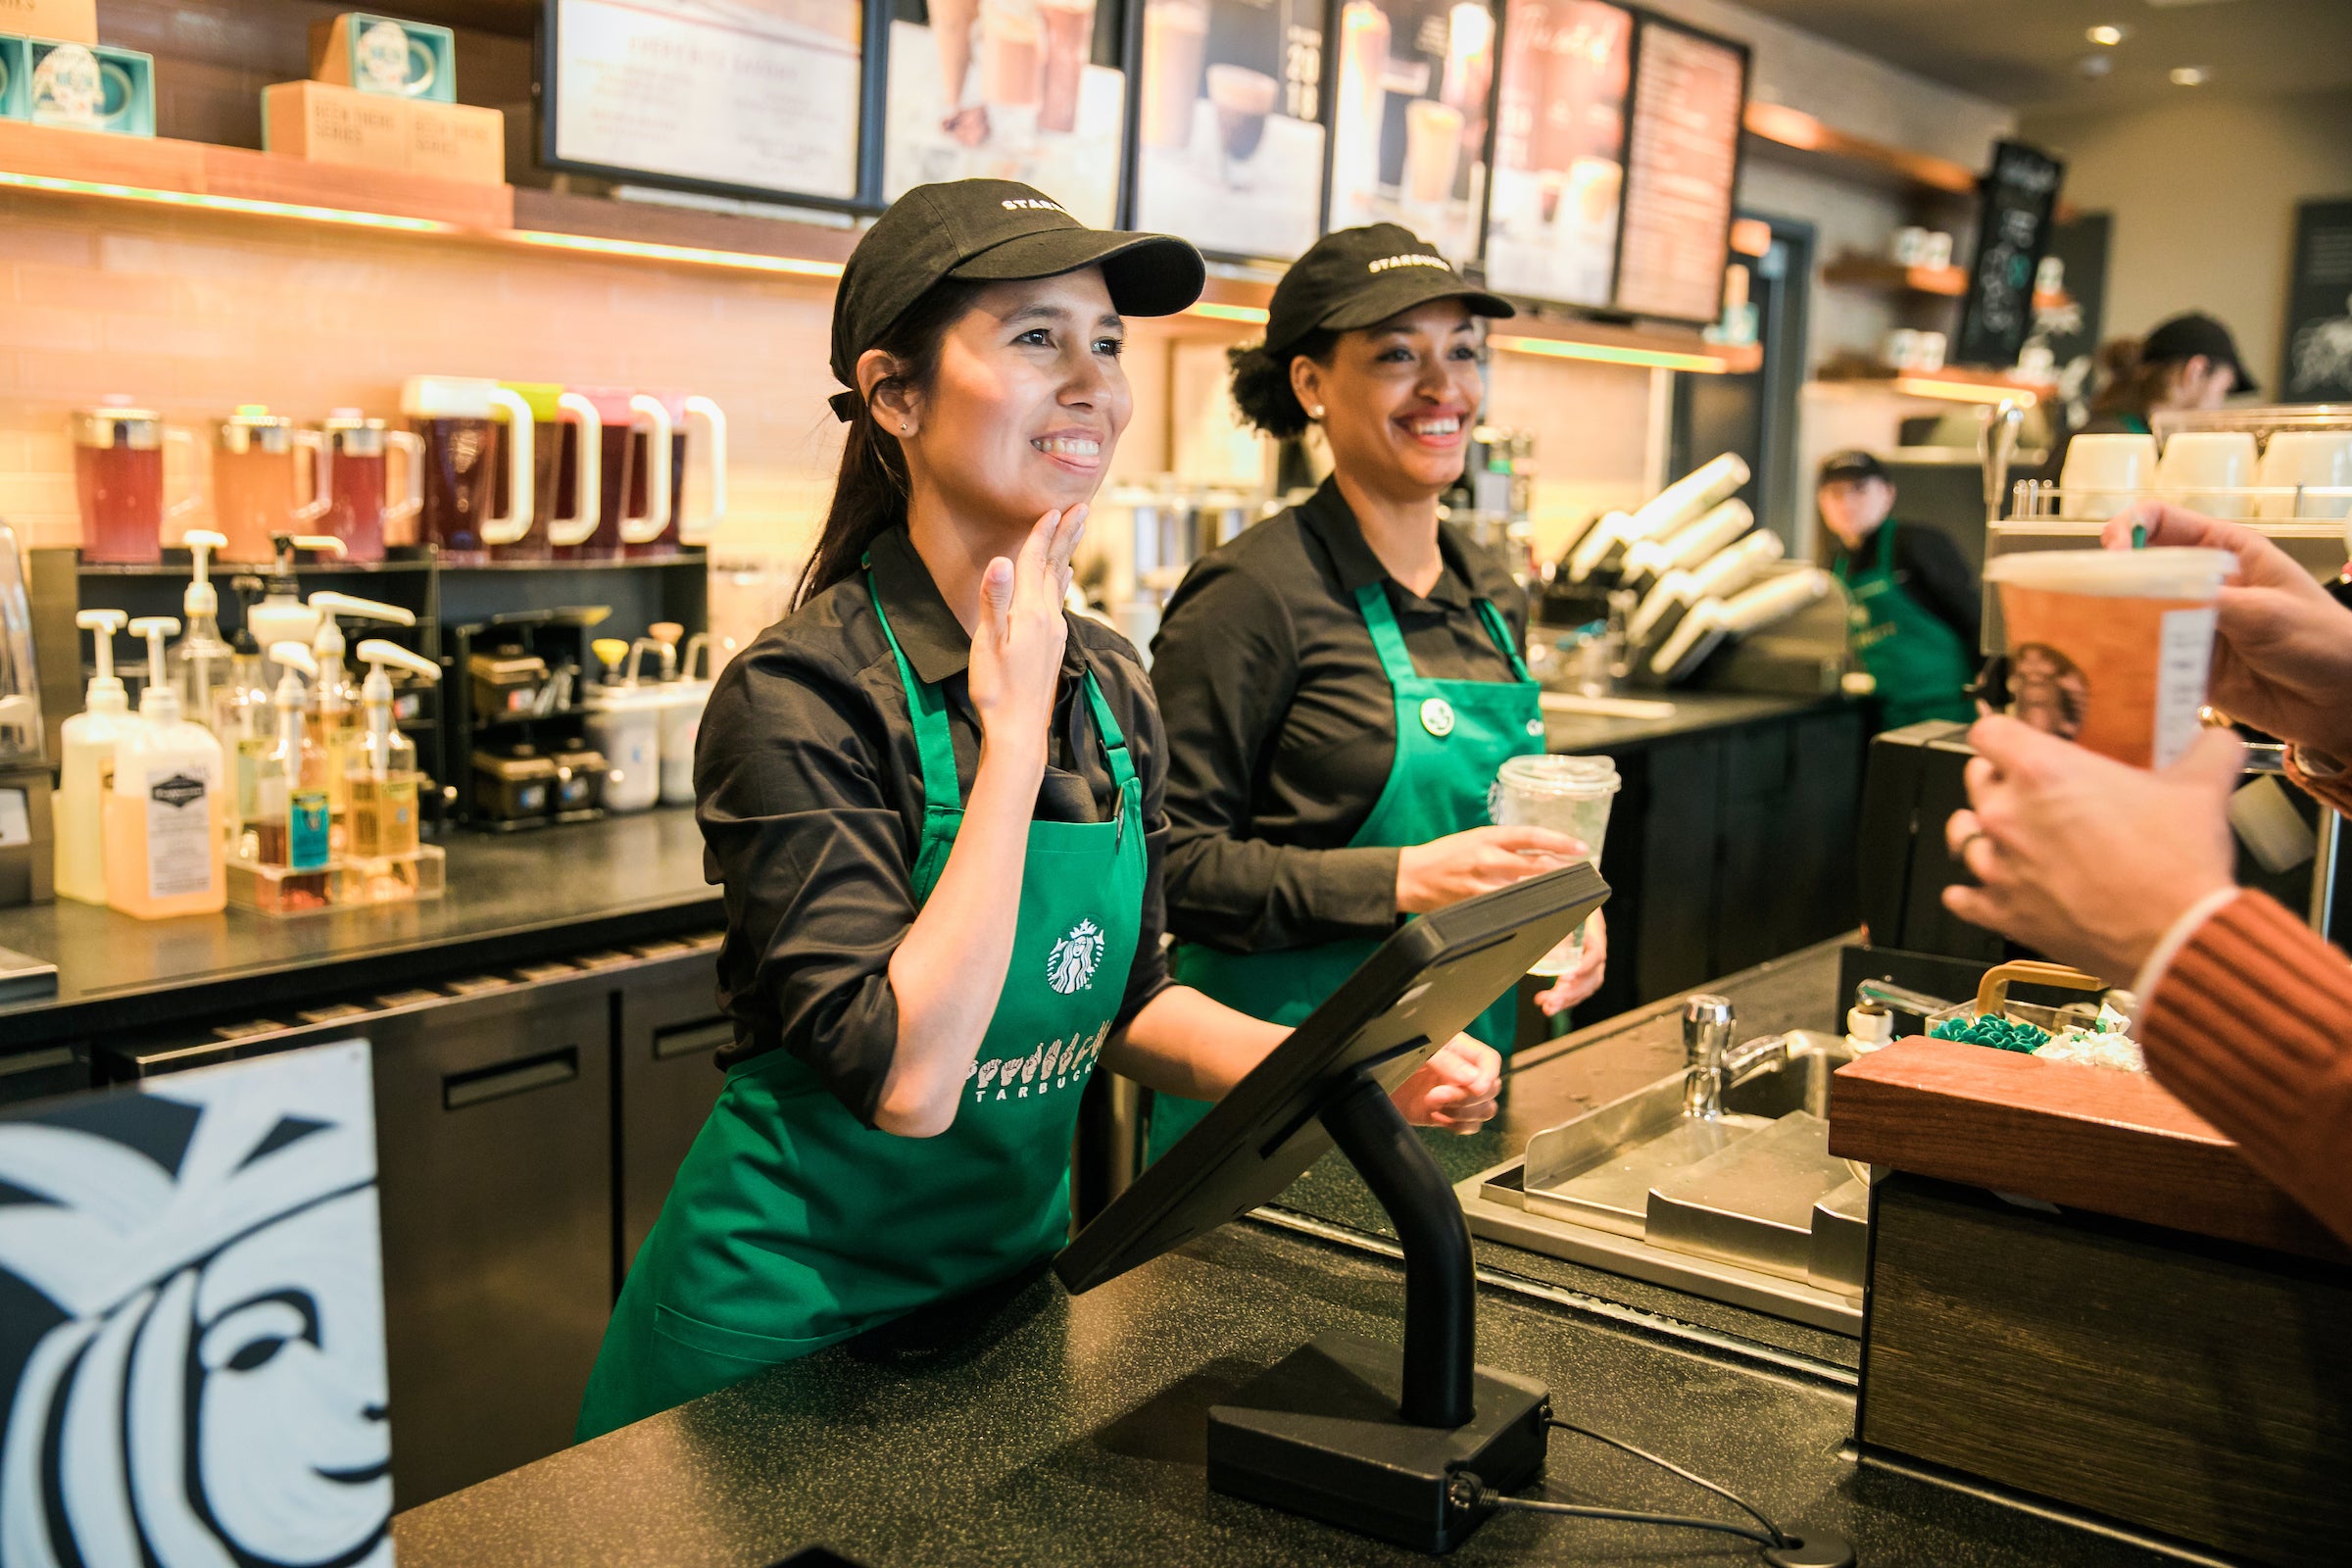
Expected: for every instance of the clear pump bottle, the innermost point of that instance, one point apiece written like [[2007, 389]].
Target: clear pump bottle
[[334, 712], [281, 616], [383, 776], [165, 809], [292, 827], [203, 666], [87, 767]]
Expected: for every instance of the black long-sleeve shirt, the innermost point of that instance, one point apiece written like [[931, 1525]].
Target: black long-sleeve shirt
[[810, 794], [1282, 727], [1928, 568]]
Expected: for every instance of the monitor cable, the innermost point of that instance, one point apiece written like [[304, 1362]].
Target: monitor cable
[[1814, 1549]]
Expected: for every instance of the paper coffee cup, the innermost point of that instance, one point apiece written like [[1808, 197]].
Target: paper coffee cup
[[2110, 648]]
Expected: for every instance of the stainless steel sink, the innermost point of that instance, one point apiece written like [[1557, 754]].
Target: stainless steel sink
[[1749, 1207]]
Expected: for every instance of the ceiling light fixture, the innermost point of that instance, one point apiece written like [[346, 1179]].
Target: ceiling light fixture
[[2190, 75], [2107, 33]]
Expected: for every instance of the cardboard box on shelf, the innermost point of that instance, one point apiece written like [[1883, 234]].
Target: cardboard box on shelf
[[67, 20], [330, 124], [412, 60], [327, 124], [456, 141], [89, 87]]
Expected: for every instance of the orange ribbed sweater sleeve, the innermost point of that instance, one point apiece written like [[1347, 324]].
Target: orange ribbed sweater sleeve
[[2251, 1027]]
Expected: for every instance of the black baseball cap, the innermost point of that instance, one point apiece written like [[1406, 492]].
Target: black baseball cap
[[1851, 465], [2184, 337], [1360, 277], [993, 230]]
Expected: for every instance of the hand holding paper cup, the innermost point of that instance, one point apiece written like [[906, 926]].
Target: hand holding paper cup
[[2110, 648]]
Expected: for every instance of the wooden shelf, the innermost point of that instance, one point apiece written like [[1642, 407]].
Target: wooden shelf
[[1956, 382], [1799, 137], [1868, 272]]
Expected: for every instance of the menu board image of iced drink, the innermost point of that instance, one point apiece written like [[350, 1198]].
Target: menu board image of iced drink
[[1682, 157], [1559, 150], [1230, 152], [1410, 84], [1007, 89], [751, 95]]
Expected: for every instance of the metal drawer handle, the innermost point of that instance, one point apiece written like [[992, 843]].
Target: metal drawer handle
[[462, 1089], [698, 1039]]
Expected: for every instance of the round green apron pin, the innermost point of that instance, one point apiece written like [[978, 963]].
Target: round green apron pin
[[1437, 716]]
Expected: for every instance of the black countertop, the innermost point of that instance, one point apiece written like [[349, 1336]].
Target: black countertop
[[1069, 1431], [1694, 711], [510, 899]]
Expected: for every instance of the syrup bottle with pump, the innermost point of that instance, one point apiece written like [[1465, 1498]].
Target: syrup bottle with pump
[[334, 712], [291, 829], [383, 776], [203, 666], [87, 767], [165, 808], [281, 616]]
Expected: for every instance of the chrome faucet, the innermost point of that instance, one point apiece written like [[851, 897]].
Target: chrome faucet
[[1710, 1064]]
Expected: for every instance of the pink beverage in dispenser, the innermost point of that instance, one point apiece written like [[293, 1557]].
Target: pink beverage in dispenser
[[657, 478], [364, 509], [119, 477], [263, 484]]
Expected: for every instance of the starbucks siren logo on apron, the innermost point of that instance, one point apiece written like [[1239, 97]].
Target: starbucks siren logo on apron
[[1070, 967]]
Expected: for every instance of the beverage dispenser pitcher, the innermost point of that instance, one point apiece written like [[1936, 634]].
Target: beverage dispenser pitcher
[[365, 510], [566, 470], [118, 476], [634, 426], [457, 418], [260, 483], [657, 484]]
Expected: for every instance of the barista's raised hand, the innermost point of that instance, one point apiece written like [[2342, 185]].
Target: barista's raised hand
[[2282, 659], [1455, 1089], [1017, 643], [2085, 858], [1461, 865]]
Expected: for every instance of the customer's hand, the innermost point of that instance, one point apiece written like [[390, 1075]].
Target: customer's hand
[[1583, 980], [1455, 1089], [1461, 865], [2085, 858], [2282, 659]]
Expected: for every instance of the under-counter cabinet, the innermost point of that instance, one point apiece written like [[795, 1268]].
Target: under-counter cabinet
[[512, 1118]]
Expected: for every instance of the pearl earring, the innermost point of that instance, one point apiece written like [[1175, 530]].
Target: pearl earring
[[904, 429], [1315, 413]]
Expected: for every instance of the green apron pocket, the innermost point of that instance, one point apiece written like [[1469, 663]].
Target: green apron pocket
[[760, 1349]]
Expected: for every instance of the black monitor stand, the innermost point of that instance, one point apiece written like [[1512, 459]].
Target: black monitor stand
[[1346, 1431]]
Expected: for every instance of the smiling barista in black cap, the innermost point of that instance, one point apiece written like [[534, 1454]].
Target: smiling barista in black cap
[[1342, 681], [921, 974]]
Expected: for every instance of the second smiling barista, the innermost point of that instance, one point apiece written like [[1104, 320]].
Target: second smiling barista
[[1342, 682], [934, 801]]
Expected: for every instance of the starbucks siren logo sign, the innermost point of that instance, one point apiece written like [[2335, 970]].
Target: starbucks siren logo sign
[[1070, 967]]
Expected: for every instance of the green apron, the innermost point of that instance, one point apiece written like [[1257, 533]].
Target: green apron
[[1451, 737], [1918, 662], [792, 1225]]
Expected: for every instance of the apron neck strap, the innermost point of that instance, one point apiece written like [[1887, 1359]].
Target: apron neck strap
[[1389, 642], [935, 747], [1886, 545]]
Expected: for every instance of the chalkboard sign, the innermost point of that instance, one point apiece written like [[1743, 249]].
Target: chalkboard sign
[[2317, 359], [2013, 229]]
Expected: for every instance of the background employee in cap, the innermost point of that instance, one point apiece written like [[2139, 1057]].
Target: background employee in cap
[[1916, 608], [1342, 682], [934, 802], [2189, 362]]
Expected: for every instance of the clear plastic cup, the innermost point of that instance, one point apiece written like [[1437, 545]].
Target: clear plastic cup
[[1569, 794], [2110, 648]]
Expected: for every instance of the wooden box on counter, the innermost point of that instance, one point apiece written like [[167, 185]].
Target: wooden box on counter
[[2078, 1289]]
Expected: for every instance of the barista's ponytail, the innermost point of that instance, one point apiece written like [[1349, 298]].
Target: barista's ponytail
[[869, 496]]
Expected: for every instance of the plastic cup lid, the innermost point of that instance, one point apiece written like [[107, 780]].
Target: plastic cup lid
[[2163, 572]]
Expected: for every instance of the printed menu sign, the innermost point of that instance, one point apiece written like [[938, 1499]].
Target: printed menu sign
[[1231, 153], [2013, 229], [754, 95], [1409, 134], [1005, 89], [1559, 150], [1682, 157]]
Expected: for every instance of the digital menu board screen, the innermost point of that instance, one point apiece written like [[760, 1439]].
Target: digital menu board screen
[[1410, 84], [1007, 89], [1559, 150], [1229, 126], [753, 96], [1682, 158]]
